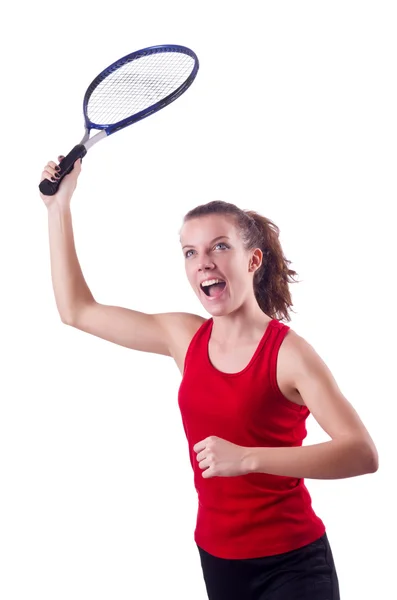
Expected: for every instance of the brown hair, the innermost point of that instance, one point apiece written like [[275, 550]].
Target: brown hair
[[272, 278]]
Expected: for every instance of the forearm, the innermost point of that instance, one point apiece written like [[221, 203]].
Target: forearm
[[336, 459], [70, 287]]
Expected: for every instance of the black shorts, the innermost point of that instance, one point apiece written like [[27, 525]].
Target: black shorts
[[307, 573]]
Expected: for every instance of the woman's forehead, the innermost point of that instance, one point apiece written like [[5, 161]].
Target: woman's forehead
[[206, 228]]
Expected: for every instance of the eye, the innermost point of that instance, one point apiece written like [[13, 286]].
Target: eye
[[218, 244]]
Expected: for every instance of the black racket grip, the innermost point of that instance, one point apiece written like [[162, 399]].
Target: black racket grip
[[49, 188]]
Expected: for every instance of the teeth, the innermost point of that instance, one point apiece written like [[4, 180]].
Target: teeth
[[211, 282]]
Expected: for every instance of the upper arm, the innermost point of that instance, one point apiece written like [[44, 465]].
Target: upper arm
[[309, 374], [132, 329]]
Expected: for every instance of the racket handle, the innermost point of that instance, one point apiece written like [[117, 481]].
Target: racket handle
[[49, 188]]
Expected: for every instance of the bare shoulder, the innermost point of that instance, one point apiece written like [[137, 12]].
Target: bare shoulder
[[300, 367], [180, 328], [293, 342], [294, 352]]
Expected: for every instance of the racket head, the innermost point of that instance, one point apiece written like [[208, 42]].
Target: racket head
[[138, 85]]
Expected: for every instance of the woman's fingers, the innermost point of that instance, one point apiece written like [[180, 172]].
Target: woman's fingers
[[50, 171]]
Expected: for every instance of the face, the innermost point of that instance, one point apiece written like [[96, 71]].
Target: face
[[212, 249]]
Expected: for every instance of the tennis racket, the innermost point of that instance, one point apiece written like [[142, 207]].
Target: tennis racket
[[127, 91]]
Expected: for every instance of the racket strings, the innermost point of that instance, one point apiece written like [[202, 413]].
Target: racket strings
[[137, 85]]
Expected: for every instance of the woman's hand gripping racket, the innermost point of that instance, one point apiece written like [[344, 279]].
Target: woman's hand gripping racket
[[129, 90]]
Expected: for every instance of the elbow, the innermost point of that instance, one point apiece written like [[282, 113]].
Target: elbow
[[373, 461], [369, 457], [361, 455], [67, 319]]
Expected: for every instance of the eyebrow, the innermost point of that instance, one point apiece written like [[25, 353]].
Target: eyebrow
[[220, 237]]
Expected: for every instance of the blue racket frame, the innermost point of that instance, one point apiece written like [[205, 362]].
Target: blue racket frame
[[112, 128], [50, 188]]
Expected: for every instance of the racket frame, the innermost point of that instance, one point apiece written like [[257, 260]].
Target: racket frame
[[80, 150]]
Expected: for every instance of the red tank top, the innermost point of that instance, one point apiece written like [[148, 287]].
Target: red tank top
[[257, 514]]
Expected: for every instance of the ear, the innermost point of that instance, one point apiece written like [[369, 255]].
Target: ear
[[256, 259]]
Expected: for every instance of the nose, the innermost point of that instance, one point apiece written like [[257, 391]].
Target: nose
[[206, 266]]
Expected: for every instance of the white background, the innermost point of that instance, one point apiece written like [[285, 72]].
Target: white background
[[293, 114]]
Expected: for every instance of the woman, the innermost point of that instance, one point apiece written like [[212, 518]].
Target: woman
[[249, 383]]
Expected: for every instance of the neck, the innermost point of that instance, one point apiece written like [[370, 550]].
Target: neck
[[239, 326]]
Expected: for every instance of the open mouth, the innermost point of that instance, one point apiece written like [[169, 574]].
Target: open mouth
[[214, 290]]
